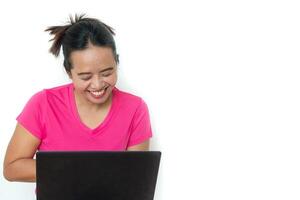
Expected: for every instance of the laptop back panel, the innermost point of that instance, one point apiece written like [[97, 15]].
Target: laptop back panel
[[127, 175]]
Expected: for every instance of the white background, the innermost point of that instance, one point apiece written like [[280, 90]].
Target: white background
[[221, 79]]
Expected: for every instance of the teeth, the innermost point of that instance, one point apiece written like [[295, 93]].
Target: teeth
[[97, 93]]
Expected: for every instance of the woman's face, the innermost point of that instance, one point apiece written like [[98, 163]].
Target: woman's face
[[94, 74]]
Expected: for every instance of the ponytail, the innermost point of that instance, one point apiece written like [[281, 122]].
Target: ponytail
[[58, 32]]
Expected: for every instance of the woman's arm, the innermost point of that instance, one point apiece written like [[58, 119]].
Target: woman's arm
[[140, 147], [19, 164]]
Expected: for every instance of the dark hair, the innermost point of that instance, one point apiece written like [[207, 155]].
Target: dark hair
[[77, 35]]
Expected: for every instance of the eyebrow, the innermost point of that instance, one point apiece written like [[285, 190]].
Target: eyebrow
[[88, 73]]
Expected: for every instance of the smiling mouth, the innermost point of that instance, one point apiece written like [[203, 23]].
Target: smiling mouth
[[98, 93]]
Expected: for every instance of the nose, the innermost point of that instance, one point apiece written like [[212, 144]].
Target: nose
[[97, 83]]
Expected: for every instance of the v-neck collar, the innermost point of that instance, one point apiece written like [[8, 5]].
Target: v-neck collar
[[75, 112]]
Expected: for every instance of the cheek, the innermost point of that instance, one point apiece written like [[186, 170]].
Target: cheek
[[80, 85], [111, 79]]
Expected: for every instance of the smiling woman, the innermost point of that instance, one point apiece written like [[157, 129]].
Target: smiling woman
[[88, 114]]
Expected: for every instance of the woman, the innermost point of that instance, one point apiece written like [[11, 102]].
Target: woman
[[89, 114]]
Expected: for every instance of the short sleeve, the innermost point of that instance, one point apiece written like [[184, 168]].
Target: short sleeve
[[141, 126], [31, 116]]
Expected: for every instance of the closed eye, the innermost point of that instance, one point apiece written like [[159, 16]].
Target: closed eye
[[107, 74], [85, 78]]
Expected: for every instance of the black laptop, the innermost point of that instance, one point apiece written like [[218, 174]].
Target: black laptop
[[99, 175]]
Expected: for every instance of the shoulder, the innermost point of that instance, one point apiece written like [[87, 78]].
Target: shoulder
[[130, 101], [59, 92], [127, 98], [44, 96], [58, 89], [126, 95], [37, 98]]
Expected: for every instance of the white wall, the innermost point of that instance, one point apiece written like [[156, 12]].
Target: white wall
[[221, 79]]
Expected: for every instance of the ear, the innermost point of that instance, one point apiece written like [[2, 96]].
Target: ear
[[117, 59], [70, 74]]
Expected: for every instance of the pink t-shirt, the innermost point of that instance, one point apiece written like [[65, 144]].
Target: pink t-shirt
[[51, 115]]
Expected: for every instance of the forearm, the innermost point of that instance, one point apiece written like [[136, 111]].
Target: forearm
[[23, 170], [140, 147]]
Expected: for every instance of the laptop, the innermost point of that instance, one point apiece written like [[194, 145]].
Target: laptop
[[97, 175]]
